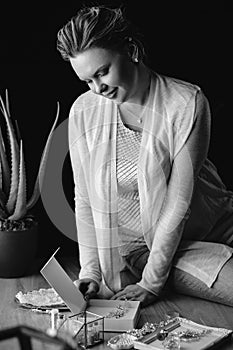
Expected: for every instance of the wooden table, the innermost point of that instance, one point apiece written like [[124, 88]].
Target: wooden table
[[11, 314]]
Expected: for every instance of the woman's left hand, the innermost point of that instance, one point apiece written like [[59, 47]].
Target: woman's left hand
[[135, 292]]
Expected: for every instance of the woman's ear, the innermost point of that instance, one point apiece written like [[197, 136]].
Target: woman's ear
[[133, 51]]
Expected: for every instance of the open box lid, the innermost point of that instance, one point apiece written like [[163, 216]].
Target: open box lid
[[64, 286]]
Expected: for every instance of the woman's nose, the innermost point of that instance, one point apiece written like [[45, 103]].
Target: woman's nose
[[99, 88]]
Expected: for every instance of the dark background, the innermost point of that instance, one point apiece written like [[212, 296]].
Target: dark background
[[191, 42]]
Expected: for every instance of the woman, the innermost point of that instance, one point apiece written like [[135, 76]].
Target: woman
[[151, 210]]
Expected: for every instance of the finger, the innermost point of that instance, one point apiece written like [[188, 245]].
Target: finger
[[119, 295], [133, 299], [76, 283], [133, 296], [85, 305], [123, 297], [126, 296]]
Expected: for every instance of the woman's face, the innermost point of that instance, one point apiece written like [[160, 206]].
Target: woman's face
[[107, 73]]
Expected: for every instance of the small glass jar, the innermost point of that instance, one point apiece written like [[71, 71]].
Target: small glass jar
[[86, 328]]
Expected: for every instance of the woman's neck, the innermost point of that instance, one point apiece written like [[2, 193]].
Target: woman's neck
[[142, 84], [132, 112]]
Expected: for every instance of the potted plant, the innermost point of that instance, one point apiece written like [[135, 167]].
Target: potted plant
[[18, 228]]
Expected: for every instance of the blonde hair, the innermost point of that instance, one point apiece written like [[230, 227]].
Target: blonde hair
[[98, 26]]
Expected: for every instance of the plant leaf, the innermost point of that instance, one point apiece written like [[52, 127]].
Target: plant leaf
[[0, 175], [17, 131], [41, 172], [3, 215], [7, 102], [14, 160], [20, 207], [5, 171]]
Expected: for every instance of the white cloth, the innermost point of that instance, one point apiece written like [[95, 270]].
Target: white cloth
[[171, 113]]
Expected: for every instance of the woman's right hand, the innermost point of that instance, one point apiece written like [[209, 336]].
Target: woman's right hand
[[88, 287]]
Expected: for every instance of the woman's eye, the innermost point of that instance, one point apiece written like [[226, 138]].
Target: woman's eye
[[98, 75], [102, 73]]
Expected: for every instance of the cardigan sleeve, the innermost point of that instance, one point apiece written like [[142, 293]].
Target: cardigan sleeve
[[79, 155], [186, 165]]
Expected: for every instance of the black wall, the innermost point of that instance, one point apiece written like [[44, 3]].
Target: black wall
[[192, 43]]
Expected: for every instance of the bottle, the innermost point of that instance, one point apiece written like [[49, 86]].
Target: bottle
[[90, 334], [96, 332]]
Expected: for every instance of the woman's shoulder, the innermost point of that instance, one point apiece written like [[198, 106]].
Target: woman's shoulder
[[175, 87]]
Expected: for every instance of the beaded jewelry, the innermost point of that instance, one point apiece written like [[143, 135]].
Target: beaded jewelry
[[146, 329], [122, 341], [120, 311], [190, 335]]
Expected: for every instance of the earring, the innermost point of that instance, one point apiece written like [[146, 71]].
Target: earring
[[136, 54]]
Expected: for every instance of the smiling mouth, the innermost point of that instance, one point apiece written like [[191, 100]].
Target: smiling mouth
[[111, 94]]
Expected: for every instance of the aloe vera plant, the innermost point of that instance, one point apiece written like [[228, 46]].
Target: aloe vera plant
[[14, 204]]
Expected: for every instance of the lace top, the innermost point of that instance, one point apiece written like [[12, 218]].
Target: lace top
[[129, 220]]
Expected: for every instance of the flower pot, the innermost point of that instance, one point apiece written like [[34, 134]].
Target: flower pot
[[17, 251]]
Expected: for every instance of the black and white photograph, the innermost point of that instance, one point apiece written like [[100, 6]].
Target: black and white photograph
[[116, 178]]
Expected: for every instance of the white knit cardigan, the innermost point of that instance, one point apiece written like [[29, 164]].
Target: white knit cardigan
[[168, 120]]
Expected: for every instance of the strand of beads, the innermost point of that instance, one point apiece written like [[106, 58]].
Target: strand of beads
[[146, 329], [190, 335]]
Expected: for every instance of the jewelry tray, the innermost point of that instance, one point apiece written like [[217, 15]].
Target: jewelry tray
[[214, 336], [47, 307]]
